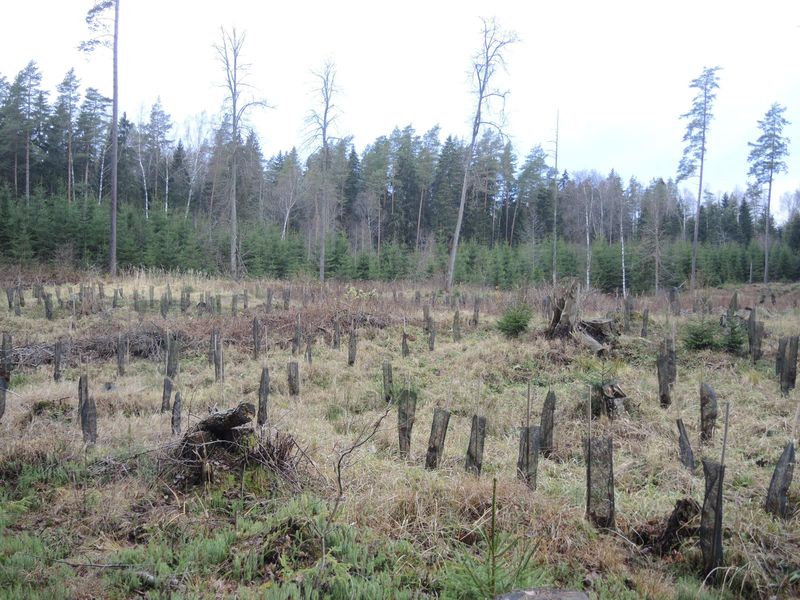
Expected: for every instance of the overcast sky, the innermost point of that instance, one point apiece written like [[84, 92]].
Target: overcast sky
[[618, 72]]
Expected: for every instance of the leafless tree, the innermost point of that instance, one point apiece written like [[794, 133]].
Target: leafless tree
[[320, 121], [229, 53], [484, 65]]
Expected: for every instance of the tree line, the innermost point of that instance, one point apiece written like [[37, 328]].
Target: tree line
[[387, 210]]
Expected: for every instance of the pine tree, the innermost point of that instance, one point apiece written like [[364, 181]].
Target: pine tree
[[766, 160]]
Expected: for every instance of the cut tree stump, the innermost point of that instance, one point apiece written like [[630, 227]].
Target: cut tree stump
[[686, 453], [599, 453], [406, 413], [528, 457], [216, 427], [777, 504], [477, 434], [708, 412], [548, 419], [441, 418], [263, 397], [294, 378], [711, 517]]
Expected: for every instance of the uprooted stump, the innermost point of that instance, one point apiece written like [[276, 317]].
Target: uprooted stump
[[599, 335], [218, 428]]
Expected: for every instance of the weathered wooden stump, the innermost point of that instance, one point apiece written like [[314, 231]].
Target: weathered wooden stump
[[755, 334], [417, 297], [528, 458], [217, 355], [711, 517], [645, 322], [686, 453], [627, 314], [476, 312], [776, 503], [122, 353], [388, 385], [87, 411], [431, 334], [294, 378], [10, 297], [263, 397], [297, 338], [779, 356], [547, 423], [268, 301], [457, 326], [287, 295], [477, 434], [441, 418], [48, 307], [176, 414], [789, 365], [309, 343], [234, 305], [599, 455], [351, 347], [336, 343], [708, 412], [426, 317], [164, 306], [674, 301], [170, 371], [6, 357], [406, 413], [58, 357], [405, 351], [256, 338]]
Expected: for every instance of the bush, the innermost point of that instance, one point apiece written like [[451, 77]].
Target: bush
[[702, 335], [515, 320]]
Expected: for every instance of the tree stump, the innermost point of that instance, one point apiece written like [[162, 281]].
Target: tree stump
[[441, 418], [426, 317], [234, 305], [599, 453], [48, 307], [645, 321], [789, 365], [58, 357], [263, 397], [337, 335], [388, 386], [548, 420], [351, 347], [528, 458], [476, 312], [87, 411], [431, 334], [405, 351], [10, 298], [176, 414], [628, 314], [779, 356], [406, 413], [115, 301], [297, 339], [309, 342], [170, 372], [687, 456], [256, 338], [711, 517], [674, 302], [164, 306], [6, 358], [294, 378], [122, 353], [287, 294], [268, 301], [708, 412], [217, 356], [151, 293], [477, 434], [776, 503], [457, 326]]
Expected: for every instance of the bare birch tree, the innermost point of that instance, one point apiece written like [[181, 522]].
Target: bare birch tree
[[229, 53], [484, 65]]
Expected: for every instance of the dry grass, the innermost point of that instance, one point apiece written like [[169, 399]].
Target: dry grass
[[111, 497]]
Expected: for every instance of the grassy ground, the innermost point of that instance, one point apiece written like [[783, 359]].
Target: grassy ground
[[124, 519]]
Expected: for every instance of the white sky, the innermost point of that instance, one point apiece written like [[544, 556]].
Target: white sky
[[618, 71]]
